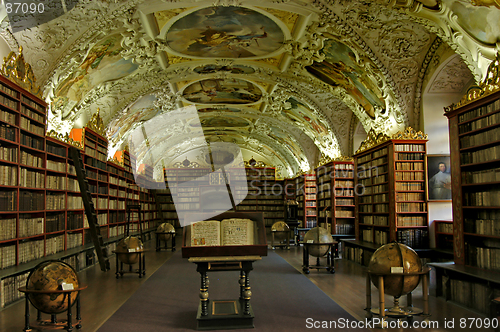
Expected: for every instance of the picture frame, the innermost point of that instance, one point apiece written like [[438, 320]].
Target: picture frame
[[438, 185]]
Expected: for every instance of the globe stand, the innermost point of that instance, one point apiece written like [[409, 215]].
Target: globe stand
[[164, 235], [119, 264], [279, 243], [53, 323], [397, 311], [329, 257]]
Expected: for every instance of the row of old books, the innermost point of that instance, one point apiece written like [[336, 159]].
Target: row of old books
[[8, 228], [345, 229], [482, 226], [29, 159], [8, 153], [483, 176], [32, 142], [409, 147], [375, 220], [54, 222], [409, 166], [33, 127], [471, 294], [33, 104], [74, 240], [54, 244], [486, 109], [30, 226], [31, 179], [30, 250], [484, 155], [489, 197], [375, 236], [8, 175], [7, 132], [480, 138], [32, 114], [411, 220], [409, 176], [482, 256], [8, 117], [414, 238], [410, 156], [445, 227], [9, 292]]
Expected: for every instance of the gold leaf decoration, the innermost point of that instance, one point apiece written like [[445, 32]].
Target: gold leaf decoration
[[115, 161], [174, 59], [96, 124], [64, 138], [409, 133], [372, 140], [18, 71], [486, 3], [490, 84]]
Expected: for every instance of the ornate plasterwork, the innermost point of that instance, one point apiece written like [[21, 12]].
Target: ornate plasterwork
[[490, 84], [452, 78]]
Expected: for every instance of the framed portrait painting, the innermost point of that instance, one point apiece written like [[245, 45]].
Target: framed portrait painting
[[438, 177]]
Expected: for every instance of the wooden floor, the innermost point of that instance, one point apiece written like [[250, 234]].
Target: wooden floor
[[347, 287]]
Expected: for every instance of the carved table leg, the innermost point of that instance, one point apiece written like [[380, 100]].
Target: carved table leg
[[247, 294], [305, 259], [204, 294], [242, 284]]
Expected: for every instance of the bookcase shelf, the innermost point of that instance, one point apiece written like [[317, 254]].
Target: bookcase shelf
[[335, 199], [391, 202]]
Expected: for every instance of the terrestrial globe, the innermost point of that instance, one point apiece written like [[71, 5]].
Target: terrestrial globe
[[280, 228], [126, 247], [318, 235], [395, 255], [165, 231], [48, 276]]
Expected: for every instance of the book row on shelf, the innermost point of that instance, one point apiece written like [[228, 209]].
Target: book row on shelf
[[470, 294], [484, 155]]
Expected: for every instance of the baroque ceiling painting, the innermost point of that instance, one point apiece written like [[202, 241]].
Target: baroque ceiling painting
[[222, 91], [225, 32], [285, 81]]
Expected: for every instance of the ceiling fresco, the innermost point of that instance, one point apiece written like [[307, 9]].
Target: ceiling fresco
[[225, 32], [287, 81], [222, 91]]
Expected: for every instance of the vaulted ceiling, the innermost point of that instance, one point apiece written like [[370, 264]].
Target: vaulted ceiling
[[286, 80]]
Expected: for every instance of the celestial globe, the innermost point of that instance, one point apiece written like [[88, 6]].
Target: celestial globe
[[126, 247], [165, 231], [318, 235], [395, 255], [280, 228], [48, 276]]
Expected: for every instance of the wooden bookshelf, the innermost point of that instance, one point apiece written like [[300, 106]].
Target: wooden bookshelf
[[443, 235], [475, 171], [305, 193], [390, 192], [335, 197]]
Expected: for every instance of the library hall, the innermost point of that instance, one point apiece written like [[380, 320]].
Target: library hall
[[284, 165]]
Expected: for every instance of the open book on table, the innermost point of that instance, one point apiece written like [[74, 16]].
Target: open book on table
[[228, 232]]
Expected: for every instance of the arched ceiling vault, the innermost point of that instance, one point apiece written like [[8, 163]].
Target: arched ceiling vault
[[284, 80]]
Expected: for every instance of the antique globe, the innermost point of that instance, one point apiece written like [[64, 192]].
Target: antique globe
[[165, 231], [125, 250], [391, 258], [318, 235], [280, 228], [48, 276]]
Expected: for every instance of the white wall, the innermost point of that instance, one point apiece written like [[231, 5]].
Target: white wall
[[435, 125]]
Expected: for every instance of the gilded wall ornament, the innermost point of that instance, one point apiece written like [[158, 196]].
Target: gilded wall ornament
[[372, 140], [64, 138], [19, 71], [96, 124], [409, 133]]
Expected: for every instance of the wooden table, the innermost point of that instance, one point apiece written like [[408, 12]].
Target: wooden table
[[225, 314], [53, 323]]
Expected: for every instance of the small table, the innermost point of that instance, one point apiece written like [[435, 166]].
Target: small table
[[225, 314], [52, 323], [142, 264], [330, 266], [158, 241]]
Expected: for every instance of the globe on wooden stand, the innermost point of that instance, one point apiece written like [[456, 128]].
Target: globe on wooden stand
[[165, 232], [128, 248], [318, 242], [395, 269], [53, 287], [280, 232]]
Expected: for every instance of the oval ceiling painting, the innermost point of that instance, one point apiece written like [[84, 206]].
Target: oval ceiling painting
[[223, 121], [222, 91], [237, 69], [225, 32]]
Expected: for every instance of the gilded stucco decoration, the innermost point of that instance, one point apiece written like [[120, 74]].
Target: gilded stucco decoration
[[16, 69], [372, 140], [410, 133]]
